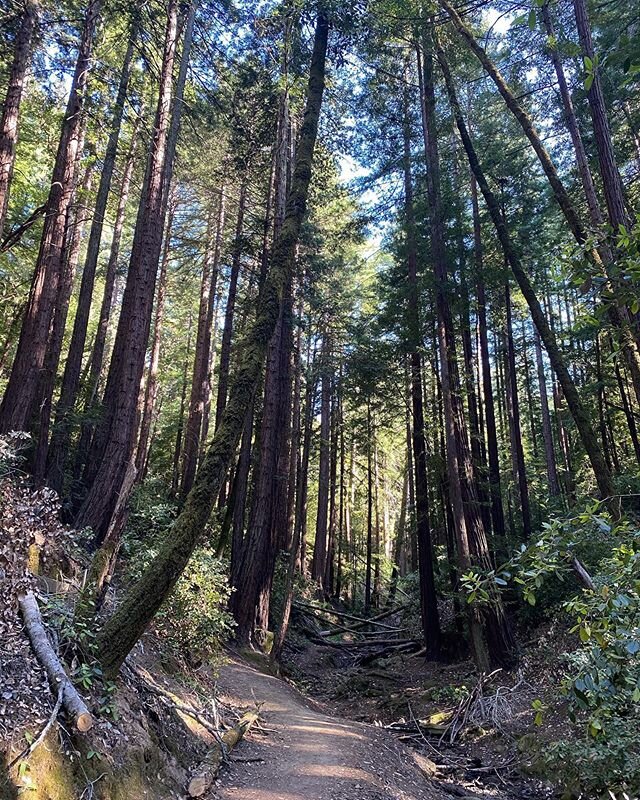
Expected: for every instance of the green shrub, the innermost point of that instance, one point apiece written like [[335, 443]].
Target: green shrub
[[194, 621], [601, 682]]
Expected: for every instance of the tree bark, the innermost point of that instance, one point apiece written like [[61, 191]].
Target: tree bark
[[318, 565], [417, 449], [611, 182], [61, 437], [495, 489], [11, 106], [582, 161], [547, 436], [578, 411], [40, 414], [74, 705], [73, 365], [227, 331], [151, 388], [114, 439], [471, 537], [202, 356], [138, 607], [20, 392], [515, 427]]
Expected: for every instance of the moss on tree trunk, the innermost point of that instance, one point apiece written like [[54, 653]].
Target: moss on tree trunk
[[124, 628]]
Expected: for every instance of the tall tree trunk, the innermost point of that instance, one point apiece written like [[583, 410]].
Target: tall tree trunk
[[20, 392], [177, 452], [73, 365], [114, 440], [227, 331], [477, 440], [369, 545], [138, 607], [41, 412], [202, 358], [269, 505], [611, 183], [495, 489], [578, 411], [11, 106], [302, 482], [418, 449], [515, 427], [471, 537], [617, 316], [529, 391], [60, 445], [547, 435], [151, 388], [319, 563], [582, 161]]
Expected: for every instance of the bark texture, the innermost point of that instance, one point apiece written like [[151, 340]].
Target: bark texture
[[140, 604]]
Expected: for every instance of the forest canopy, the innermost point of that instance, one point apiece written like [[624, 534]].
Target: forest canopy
[[314, 308]]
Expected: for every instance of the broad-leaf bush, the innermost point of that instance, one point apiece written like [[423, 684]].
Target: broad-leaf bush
[[601, 682]]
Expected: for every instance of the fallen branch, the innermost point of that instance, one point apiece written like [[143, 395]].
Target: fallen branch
[[361, 621], [583, 576], [151, 686], [210, 765], [73, 704], [43, 733], [369, 658]]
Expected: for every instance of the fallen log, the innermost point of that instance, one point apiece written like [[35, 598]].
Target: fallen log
[[369, 658], [393, 643], [361, 621], [210, 765], [73, 704]]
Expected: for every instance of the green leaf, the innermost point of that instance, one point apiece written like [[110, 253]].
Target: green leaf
[[531, 20]]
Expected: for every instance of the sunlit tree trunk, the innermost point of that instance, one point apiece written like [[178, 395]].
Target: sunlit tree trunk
[[40, 414], [20, 392], [73, 365], [227, 331], [495, 490], [547, 435], [422, 550], [318, 565], [151, 388], [61, 438], [471, 537], [114, 440], [513, 412], [203, 344]]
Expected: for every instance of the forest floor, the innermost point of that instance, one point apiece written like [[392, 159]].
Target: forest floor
[[333, 731], [309, 755], [497, 751]]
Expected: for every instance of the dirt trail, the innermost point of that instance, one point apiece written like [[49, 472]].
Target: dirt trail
[[308, 755]]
